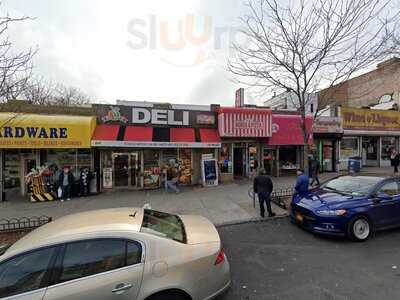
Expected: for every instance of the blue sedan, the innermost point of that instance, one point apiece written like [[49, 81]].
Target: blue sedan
[[353, 206]]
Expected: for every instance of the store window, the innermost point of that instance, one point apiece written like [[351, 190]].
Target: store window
[[83, 159], [370, 148], [185, 166], [12, 169], [288, 158], [253, 158], [151, 169], [388, 143], [348, 148], [169, 156], [225, 158], [58, 159]]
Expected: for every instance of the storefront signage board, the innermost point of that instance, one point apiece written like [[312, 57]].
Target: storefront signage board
[[243, 122], [324, 124], [160, 116], [209, 172], [31, 131], [133, 144], [287, 130], [370, 119]]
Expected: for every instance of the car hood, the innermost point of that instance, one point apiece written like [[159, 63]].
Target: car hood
[[322, 199]]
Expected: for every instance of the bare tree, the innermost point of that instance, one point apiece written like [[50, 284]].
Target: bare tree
[[38, 91], [303, 46], [15, 66], [67, 95]]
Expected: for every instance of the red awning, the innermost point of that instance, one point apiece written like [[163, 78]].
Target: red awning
[[286, 130], [179, 135], [209, 136], [106, 133], [138, 134]]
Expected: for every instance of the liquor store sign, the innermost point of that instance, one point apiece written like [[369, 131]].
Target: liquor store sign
[[370, 119], [39, 131]]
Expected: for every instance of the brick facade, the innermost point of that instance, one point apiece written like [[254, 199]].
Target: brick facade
[[367, 89]]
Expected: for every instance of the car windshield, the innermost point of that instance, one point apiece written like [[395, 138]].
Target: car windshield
[[164, 225], [355, 186]]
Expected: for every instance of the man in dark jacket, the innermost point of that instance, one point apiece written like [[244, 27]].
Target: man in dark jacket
[[66, 181], [315, 166], [301, 183], [263, 187]]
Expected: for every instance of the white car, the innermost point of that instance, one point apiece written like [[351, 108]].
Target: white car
[[123, 253]]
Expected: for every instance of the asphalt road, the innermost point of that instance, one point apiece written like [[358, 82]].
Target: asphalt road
[[277, 260]]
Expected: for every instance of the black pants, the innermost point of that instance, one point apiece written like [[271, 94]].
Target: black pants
[[66, 191], [396, 168], [315, 178], [263, 197]]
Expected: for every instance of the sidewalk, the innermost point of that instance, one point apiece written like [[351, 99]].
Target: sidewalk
[[224, 204]]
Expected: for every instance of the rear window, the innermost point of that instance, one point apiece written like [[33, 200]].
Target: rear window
[[164, 225]]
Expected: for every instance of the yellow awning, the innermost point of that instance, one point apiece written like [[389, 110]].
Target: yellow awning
[[34, 131]]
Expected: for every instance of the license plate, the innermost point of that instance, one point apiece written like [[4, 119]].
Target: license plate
[[299, 217]]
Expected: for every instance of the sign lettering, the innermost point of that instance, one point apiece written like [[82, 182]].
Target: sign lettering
[[158, 117]]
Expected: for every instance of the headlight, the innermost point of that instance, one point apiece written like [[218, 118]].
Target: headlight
[[328, 212]]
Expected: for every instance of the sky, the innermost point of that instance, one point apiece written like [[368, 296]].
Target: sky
[[143, 50]]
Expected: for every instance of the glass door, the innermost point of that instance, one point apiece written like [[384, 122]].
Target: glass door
[[134, 169], [121, 169]]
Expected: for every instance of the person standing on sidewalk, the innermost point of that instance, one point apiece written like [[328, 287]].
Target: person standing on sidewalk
[[66, 181], [302, 183], [395, 161], [263, 187], [172, 178], [315, 165]]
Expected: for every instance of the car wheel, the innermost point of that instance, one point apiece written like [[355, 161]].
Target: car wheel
[[360, 229]]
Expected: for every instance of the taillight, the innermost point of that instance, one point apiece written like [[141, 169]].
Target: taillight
[[220, 257]]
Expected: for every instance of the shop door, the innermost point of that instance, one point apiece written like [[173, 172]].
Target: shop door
[[134, 169], [121, 169], [328, 153], [238, 162]]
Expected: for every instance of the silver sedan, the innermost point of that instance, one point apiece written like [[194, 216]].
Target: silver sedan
[[123, 253]]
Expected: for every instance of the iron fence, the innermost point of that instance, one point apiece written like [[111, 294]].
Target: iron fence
[[22, 224], [278, 196]]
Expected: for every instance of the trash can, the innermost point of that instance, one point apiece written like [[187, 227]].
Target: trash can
[[354, 164]]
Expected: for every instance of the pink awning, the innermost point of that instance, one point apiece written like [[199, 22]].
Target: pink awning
[[286, 130]]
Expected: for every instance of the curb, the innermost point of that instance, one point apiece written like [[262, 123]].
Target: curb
[[250, 220]]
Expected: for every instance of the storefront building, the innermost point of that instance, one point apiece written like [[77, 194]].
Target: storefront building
[[46, 143], [283, 151], [243, 132], [136, 141], [369, 134], [327, 132]]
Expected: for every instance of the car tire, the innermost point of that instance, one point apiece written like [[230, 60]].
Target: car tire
[[360, 229]]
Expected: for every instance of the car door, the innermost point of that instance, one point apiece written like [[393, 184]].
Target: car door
[[98, 269], [386, 211], [24, 277]]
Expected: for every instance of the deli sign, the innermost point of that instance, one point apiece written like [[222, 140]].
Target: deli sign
[[155, 115], [142, 115]]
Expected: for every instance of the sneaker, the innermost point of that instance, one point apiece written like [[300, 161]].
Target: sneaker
[[62, 200], [272, 215], [68, 199]]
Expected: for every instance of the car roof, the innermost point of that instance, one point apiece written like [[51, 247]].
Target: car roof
[[75, 225]]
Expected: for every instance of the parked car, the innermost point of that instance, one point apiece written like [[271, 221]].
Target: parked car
[[123, 253], [353, 206]]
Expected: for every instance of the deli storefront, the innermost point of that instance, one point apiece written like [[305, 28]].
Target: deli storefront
[[135, 143], [33, 143], [369, 134]]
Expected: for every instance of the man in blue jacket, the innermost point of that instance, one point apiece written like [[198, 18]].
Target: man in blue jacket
[[302, 182]]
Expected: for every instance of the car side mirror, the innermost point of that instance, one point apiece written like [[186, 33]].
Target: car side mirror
[[380, 196]]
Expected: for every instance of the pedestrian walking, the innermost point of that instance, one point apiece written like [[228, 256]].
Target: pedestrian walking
[[302, 182], [263, 187], [66, 181], [172, 178], [315, 166], [395, 161]]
